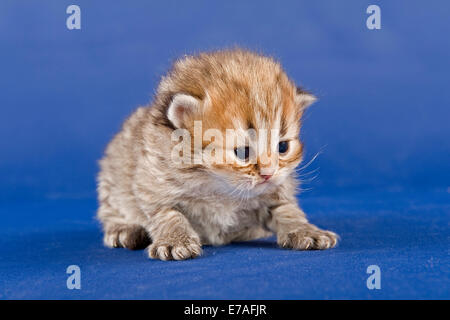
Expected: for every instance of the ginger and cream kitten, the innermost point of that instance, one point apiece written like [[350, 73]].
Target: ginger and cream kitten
[[236, 183]]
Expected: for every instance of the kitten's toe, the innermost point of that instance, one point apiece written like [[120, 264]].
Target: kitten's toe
[[111, 240], [132, 237], [175, 250], [308, 239], [162, 252], [186, 252], [326, 240]]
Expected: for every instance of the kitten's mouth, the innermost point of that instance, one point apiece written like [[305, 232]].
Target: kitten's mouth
[[264, 183]]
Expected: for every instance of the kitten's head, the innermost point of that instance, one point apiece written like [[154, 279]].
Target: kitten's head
[[243, 112]]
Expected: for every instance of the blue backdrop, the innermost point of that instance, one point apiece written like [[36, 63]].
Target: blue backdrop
[[381, 126]]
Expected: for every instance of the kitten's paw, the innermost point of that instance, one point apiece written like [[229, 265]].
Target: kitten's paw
[[310, 238], [175, 249], [132, 237]]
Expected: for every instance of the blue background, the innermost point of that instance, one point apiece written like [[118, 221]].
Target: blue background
[[382, 179]]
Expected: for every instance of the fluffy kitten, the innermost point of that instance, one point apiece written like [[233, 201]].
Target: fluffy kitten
[[149, 199]]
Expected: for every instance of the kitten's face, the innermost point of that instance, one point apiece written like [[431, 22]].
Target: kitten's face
[[263, 147], [250, 141], [256, 161]]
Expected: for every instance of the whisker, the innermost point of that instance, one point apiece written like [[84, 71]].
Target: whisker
[[301, 190], [306, 174], [304, 177], [309, 178], [310, 161]]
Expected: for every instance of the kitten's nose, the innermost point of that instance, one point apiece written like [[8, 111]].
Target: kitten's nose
[[266, 176]]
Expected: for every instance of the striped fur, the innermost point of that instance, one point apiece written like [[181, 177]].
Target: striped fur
[[145, 196]]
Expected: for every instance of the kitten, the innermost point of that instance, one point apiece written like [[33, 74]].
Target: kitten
[[149, 198]]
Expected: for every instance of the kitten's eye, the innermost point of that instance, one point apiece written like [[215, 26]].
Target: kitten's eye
[[283, 147], [242, 152]]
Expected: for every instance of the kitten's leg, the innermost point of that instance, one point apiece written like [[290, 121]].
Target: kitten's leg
[[118, 233], [173, 237], [295, 232]]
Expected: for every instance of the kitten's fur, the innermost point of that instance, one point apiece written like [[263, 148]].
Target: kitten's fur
[[148, 200]]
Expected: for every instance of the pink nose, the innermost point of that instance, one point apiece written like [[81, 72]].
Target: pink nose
[[266, 176]]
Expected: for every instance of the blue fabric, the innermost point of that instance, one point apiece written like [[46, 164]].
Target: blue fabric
[[405, 234], [380, 126]]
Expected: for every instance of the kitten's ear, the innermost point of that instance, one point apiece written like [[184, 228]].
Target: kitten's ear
[[304, 99], [181, 108]]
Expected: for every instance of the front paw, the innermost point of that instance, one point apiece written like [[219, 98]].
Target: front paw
[[307, 238], [176, 248]]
